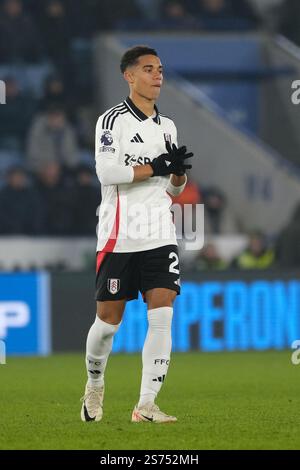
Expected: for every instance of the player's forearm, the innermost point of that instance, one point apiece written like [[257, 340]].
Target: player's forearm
[[178, 180], [176, 185], [109, 174], [142, 172]]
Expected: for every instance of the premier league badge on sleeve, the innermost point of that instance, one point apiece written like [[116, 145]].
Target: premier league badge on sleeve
[[106, 138], [113, 285]]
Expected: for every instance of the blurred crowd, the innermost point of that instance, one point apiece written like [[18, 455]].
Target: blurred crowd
[[46, 164], [47, 179], [261, 251], [49, 202], [48, 26]]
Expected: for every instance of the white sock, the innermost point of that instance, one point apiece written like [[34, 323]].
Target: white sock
[[98, 347], [156, 353]]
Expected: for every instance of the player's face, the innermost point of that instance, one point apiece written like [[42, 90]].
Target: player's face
[[147, 77]]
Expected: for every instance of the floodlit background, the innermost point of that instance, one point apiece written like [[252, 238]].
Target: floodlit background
[[231, 69]]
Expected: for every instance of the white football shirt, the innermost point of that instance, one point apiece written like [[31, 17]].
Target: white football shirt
[[133, 216]]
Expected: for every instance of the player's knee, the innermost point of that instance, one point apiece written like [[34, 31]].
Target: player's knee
[[108, 317], [163, 298], [111, 312]]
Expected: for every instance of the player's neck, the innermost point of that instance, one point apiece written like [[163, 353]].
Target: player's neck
[[146, 106]]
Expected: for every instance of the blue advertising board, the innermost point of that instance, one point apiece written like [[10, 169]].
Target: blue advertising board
[[220, 315], [24, 313]]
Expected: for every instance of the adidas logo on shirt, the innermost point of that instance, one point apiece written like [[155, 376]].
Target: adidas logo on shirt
[[137, 138]]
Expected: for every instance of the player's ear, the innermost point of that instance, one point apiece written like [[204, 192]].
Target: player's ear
[[128, 75]]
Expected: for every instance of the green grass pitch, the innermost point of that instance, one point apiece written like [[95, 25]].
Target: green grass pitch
[[248, 400]]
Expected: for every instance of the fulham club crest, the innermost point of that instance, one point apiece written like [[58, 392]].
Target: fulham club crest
[[113, 285]]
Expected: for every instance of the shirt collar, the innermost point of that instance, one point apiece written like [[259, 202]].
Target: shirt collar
[[138, 114]]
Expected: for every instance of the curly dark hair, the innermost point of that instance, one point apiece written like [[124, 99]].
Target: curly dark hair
[[131, 56]]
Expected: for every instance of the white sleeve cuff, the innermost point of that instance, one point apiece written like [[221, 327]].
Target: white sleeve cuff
[[176, 190]]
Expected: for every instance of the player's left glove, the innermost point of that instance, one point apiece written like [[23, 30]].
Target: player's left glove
[[179, 156]]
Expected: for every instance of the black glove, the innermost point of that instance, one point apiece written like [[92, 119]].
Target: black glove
[[171, 162], [180, 155]]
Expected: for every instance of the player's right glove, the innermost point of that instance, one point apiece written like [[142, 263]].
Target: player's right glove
[[171, 162], [180, 155]]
